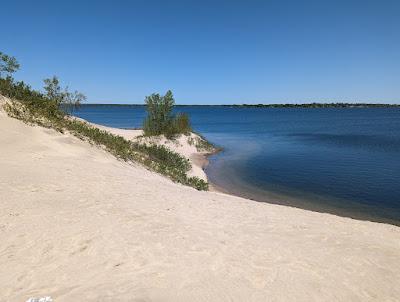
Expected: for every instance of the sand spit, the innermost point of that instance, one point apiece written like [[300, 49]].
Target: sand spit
[[78, 225]]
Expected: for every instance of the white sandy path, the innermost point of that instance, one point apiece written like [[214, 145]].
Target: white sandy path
[[78, 225]]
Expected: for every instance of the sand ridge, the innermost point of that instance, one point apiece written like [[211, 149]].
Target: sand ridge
[[180, 145]]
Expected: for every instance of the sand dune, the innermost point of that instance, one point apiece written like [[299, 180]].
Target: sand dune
[[179, 145], [78, 225]]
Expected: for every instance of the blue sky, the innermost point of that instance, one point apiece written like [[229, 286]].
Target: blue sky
[[210, 52]]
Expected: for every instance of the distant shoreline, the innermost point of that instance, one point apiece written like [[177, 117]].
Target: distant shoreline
[[308, 105]]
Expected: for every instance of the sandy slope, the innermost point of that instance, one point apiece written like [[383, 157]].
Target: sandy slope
[[78, 225], [179, 145]]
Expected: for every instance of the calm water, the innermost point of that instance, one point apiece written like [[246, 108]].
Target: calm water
[[344, 161]]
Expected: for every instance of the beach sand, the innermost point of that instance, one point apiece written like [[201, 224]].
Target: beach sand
[[76, 224], [198, 159]]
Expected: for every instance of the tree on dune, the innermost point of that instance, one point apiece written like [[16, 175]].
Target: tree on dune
[[8, 64]]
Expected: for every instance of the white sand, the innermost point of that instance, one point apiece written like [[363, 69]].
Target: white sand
[[198, 159], [78, 225]]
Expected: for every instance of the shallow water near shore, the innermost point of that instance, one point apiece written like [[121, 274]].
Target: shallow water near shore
[[344, 161]]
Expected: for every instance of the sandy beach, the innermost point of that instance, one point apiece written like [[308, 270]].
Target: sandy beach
[[79, 225]]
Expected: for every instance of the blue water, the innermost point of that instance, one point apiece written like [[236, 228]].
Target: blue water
[[344, 161]]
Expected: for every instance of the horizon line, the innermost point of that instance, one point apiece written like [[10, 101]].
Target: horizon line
[[257, 104]]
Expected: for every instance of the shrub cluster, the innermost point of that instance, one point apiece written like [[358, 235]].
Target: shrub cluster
[[160, 120]]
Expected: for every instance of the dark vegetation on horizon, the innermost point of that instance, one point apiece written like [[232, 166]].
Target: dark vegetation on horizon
[[307, 105], [51, 109], [317, 105]]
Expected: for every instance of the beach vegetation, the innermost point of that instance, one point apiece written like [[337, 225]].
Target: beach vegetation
[[160, 119], [182, 124], [8, 64], [201, 144], [64, 99], [53, 90]]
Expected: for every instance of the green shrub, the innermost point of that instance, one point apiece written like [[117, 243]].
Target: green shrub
[[8, 64], [160, 120], [182, 123], [204, 145], [159, 114], [66, 101]]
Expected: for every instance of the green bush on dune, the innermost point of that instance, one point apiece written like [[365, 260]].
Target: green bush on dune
[[51, 109], [160, 120]]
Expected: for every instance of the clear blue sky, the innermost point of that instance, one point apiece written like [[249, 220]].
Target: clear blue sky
[[210, 52]]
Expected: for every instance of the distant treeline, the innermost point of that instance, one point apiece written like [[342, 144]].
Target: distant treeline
[[309, 105], [319, 105]]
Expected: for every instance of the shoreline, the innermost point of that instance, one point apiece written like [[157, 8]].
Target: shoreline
[[180, 145], [200, 161], [310, 202]]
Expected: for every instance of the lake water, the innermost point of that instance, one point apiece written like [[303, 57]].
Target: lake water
[[343, 161]]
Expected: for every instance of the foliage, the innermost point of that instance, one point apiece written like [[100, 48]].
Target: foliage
[[53, 90], [160, 119], [32, 99], [8, 64], [182, 124], [72, 101], [159, 109], [66, 100], [202, 144]]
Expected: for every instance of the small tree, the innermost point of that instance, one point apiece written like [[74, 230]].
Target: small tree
[[73, 100], [69, 101], [160, 119], [8, 64], [53, 90]]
